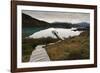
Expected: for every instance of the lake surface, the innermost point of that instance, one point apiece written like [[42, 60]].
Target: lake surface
[[26, 31], [56, 33]]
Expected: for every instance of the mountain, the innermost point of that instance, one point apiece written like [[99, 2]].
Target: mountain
[[82, 24], [28, 21], [58, 33], [61, 25]]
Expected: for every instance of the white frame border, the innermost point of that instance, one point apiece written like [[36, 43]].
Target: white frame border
[[52, 63]]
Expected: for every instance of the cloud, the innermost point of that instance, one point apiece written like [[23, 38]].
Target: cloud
[[51, 16]]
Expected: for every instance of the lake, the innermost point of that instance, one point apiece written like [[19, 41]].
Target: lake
[[55, 33], [26, 31]]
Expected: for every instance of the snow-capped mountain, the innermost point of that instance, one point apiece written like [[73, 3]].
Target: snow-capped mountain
[[59, 33]]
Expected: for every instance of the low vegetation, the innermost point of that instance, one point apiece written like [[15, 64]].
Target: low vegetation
[[72, 48], [28, 45]]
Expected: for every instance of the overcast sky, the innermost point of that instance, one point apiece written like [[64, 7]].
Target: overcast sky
[[58, 16]]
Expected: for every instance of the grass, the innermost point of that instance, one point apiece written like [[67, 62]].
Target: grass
[[28, 45], [72, 48]]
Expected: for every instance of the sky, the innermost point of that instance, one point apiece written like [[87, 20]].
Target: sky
[[52, 16]]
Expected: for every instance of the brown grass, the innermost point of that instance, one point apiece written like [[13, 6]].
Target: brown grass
[[70, 49]]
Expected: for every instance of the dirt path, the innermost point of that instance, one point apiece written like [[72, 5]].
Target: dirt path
[[39, 54]]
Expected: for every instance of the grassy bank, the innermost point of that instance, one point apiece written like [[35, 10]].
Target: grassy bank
[[71, 48], [28, 45]]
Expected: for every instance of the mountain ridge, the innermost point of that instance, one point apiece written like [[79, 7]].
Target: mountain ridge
[[28, 21]]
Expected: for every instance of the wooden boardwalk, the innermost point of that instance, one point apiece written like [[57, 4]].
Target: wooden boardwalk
[[39, 54]]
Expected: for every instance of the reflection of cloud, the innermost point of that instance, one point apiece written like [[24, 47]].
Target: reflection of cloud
[[59, 16]]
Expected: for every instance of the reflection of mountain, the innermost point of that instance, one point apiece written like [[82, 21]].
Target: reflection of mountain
[[28, 21]]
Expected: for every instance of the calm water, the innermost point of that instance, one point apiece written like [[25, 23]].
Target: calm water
[[26, 31], [61, 32]]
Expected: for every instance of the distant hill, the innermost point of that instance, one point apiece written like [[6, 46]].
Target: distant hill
[[61, 25], [28, 21], [83, 24]]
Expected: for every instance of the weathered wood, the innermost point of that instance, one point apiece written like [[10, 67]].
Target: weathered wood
[[39, 54]]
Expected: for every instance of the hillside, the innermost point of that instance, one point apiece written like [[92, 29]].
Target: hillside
[[72, 48], [28, 21]]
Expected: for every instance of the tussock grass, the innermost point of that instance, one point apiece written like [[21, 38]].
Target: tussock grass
[[28, 45], [72, 48]]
